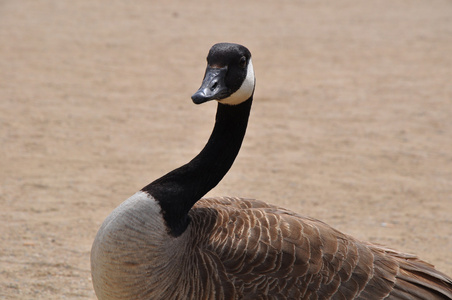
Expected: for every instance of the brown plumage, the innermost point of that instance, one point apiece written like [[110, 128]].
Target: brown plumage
[[165, 242], [266, 252]]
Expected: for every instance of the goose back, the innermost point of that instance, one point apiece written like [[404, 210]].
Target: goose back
[[269, 252]]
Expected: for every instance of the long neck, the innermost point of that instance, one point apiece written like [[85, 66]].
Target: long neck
[[181, 188]]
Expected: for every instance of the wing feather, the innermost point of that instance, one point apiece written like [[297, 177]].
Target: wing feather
[[267, 252]]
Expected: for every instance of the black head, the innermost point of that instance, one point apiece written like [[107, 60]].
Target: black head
[[229, 76]]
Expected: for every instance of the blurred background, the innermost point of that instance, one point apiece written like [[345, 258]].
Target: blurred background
[[351, 123]]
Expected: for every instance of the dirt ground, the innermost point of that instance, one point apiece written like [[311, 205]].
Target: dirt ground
[[351, 123]]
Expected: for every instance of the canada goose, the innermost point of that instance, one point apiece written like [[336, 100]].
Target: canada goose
[[165, 242]]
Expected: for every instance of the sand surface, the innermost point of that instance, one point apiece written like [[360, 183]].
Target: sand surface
[[351, 123]]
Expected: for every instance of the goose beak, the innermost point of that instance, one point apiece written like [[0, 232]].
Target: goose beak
[[212, 87]]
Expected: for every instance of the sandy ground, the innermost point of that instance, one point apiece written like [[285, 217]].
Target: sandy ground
[[351, 124]]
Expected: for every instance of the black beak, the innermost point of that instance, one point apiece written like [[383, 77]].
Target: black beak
[[212, 87]]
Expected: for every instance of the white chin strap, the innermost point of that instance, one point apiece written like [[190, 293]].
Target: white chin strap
[[246, 89]]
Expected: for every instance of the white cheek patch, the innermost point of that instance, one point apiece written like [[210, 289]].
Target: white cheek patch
[[246, 89]]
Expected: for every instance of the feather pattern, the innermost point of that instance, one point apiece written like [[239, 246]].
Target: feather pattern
[[260, 251]]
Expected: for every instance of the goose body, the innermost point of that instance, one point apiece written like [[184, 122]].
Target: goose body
[[167, 242]]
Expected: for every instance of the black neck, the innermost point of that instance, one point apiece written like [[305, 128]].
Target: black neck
[[181, 188]]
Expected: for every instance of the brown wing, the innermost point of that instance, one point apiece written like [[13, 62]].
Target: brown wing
[[268, 252]]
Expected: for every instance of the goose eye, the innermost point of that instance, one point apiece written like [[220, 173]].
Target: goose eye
[[243, 62]]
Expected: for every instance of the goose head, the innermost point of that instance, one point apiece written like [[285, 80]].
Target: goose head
[[229, 77]]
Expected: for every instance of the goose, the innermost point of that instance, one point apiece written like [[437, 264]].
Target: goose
[[167, 242]]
